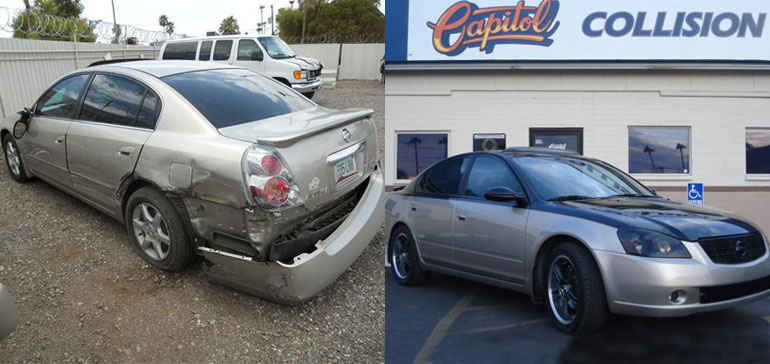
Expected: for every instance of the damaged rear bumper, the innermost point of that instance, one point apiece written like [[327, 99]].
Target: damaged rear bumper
[[308, 273]]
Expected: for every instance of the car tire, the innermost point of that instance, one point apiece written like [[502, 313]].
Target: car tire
[[13, 160], [404, 258], [309, 95], [161, 241], [575, 297]]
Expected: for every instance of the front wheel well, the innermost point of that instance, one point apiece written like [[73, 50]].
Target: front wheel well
[[395, 226], [3, 133], [283, 81], [541, 262]]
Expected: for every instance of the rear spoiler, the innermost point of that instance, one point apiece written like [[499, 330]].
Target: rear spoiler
[[336, 119], [111, 61]]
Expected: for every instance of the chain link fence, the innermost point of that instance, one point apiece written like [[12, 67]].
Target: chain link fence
[[34, 22], [338, 38]]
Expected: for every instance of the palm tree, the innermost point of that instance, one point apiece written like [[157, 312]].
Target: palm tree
[[229, 25], [415, 140], [649, 151], [680, 147], [168, 26], [304, 5]]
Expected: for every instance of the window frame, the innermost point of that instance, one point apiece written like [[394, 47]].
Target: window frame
[[158, 107], [660, 176], [464, 183], [558, 131], [238, 50], [419, 132], [80, 96], [214, 50], [753, 176]]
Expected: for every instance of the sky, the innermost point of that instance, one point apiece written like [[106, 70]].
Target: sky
[[191, 17]]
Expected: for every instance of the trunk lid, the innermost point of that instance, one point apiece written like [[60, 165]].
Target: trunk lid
[[311, 143]]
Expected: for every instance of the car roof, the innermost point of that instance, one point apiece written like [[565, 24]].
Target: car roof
[[166, 68], [215, 37]]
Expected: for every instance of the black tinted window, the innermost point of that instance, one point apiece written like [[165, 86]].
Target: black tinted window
[[488, 173], [446, 177], [222, 50], [112, 99], [758, 151], [184, 50], [236, 96], [246, 47], [146, 117], [62, 100], [205, 53]]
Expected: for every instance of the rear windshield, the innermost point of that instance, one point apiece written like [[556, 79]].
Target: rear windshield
[[230, 97]]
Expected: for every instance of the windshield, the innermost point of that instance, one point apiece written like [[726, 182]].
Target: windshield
[[563, 177], [228, 97], [276, 47]]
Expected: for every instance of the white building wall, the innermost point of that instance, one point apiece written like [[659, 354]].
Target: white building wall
[[718, 106]]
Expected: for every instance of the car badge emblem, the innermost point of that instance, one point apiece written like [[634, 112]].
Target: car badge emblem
[[346, 135], [314, 184], [740, 248]]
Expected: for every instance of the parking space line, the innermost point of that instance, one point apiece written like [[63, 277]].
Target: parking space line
[[490, 307], [440, 331], [501, 327]]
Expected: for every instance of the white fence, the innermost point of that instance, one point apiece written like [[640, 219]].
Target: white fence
[[28, 67]]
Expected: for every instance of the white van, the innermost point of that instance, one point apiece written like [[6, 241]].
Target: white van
[[269, 55]]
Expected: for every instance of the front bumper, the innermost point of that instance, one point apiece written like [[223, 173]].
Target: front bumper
[[642, 286], [309, 273], [9, 314], [307, 87]]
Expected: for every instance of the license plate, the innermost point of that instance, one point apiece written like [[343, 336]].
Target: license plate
[[345, 168]]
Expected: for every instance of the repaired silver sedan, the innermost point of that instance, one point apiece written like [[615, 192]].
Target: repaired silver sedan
[[277, 194]]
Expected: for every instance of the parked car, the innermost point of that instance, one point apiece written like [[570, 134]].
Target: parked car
[[278, 194], [576, 234], [9, 314], [269, 55]]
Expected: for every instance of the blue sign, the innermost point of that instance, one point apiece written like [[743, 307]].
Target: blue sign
[[695, 193]]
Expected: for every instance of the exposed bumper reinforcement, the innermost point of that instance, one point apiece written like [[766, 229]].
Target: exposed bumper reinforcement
[[309, 273]]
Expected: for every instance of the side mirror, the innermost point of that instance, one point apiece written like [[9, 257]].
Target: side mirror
[[20, 128], [257, 56], [652, 190], [505, 194]]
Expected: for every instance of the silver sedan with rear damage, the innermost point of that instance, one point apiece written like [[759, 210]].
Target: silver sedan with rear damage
[[278, 194]]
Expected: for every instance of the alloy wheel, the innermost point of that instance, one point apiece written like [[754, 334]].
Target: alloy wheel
[[14, 161], [151, 231], [401, 261], [563, 290]]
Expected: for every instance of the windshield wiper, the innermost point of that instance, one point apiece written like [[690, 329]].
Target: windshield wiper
[[571, 198], [627, 195]]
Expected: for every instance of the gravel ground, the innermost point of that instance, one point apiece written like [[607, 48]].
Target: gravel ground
[[85, 296]]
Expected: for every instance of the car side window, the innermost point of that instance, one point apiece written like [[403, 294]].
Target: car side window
[[112, 99], [62, 99], [205, 52], [488, 173], [445, 177], [246, 47], [222, 50], [183, 50], [146, 118]]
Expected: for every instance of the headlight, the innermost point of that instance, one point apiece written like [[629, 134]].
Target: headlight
[[300, 74], [651, 244]]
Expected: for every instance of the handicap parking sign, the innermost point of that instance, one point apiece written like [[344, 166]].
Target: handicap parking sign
[[695, 193]]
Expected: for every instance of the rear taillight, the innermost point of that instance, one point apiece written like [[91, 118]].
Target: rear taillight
[[269, 182]]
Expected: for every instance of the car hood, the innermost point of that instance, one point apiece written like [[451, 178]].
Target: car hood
[[304, 62], [680, 220]]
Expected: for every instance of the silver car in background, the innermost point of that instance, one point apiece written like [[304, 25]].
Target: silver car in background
[[278, 194], [9, 314], [574, 233]]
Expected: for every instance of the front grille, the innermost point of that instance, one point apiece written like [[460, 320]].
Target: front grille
[[734, 249], [313, 74], [731, 291]]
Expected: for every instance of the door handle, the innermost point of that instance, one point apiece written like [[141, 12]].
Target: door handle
[[126, 151], [461, 217], [59, 140], [413, 207]]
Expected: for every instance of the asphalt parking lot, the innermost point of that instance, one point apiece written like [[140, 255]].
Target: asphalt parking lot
[[453, 320], [85, 296]]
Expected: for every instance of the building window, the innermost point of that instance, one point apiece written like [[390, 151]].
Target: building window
[[417, 151], [660, 150], [758, 151], [485, 142], [570, 139]]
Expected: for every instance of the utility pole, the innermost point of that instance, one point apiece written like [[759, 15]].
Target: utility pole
[[261, 18], [272, 20], [291, 4], [115, 22]]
